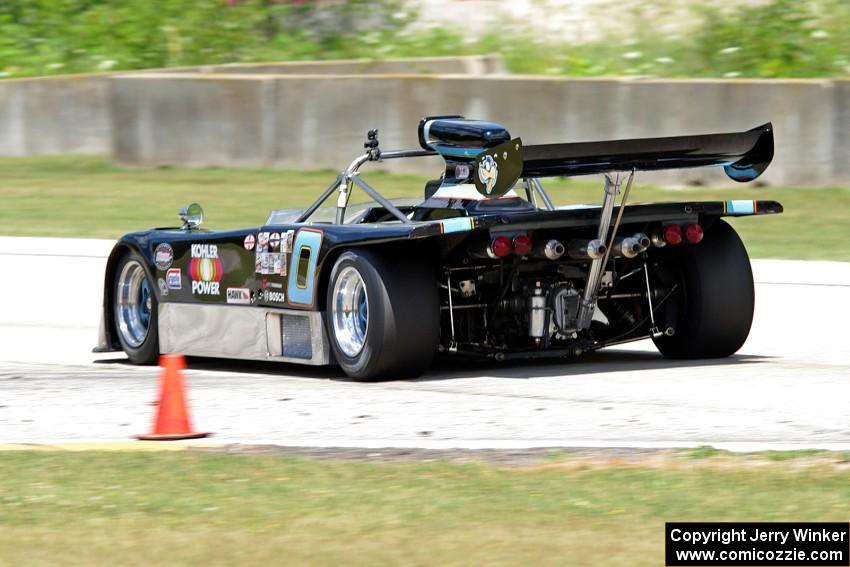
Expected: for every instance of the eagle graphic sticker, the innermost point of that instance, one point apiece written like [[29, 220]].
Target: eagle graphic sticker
[[488, 173], [498, 168]]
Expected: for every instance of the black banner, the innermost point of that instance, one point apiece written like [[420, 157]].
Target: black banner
[[693, 544]]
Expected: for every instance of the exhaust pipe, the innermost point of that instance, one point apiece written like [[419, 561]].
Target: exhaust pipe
[[657, 238], [631, 246], [628, 247], [644, 241], [586, 249], [551, 250]]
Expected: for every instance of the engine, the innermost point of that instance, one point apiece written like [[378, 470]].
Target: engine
[[513, 292]]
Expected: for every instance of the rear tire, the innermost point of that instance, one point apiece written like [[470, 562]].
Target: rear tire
[[134, 310], [383, 316], [716, 297]]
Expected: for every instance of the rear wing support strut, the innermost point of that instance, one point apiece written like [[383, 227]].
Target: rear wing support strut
[[597, 266]]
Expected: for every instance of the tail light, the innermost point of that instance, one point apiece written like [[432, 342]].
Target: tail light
[[693, 233], [672, 234], [501, 246], [522, 245]]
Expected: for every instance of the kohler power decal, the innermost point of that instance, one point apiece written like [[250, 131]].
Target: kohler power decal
[[205, 269]]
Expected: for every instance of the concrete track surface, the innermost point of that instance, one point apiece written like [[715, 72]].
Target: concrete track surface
[[788, 387]]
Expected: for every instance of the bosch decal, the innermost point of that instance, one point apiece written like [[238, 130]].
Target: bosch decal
[[163, 256], [273, 296], [274, 241], [205, 269], [249, 241]]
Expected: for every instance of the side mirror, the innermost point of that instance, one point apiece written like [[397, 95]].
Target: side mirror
[[192, 216]]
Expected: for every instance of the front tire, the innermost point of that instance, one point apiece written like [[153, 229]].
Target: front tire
[[134, 309], [383, 318], [716, 297]]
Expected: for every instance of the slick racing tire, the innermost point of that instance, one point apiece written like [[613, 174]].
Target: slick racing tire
[[134, 309], [383, 315], [714, 311]]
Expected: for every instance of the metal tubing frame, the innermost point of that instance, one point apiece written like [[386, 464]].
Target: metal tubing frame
[[542, 192], [415, 152], [610, 244], [318, 202], [380, 199], [345, 185], [453, 342], [348, 176], [653, 329], [588, 301], [530, 193]]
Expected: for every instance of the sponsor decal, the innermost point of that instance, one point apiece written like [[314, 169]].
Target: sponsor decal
[[739, 207], [174, 278], [205, 269], [273, 296], [249, 242], [163, 256], [163, 288], [239, 295], [272, 285], [488, 173], [459, 224], [263, 242], [268, 263], [461, 171], [270, 258]]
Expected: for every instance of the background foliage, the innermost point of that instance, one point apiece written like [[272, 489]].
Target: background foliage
[[774, 38]]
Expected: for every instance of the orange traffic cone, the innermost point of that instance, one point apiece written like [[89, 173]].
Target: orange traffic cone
[[172, 415]]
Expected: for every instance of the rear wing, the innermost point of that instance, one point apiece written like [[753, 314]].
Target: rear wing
[[743, 155]]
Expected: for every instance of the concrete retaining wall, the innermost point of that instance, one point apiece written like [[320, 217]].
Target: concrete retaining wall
[[299, 121], [71, 114], [308, 115], [61, 115], [841, 132]]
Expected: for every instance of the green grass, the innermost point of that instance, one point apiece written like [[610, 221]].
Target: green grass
[[216, 509], [709, 452], [88, 197], [770, 38]]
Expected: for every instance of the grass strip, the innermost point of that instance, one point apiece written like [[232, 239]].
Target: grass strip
[[105, 508], [74, 196]]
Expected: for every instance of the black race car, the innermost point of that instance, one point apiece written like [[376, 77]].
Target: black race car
[[484, 265]]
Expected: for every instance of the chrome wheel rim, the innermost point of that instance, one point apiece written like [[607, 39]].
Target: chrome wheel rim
[[350, 311], [133, 304]]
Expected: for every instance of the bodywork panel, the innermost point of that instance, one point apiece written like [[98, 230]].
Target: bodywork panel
[[259, 268]]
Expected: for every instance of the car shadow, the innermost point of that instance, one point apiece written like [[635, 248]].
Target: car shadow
[[248, 367], [446, 367], [589, 363]]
